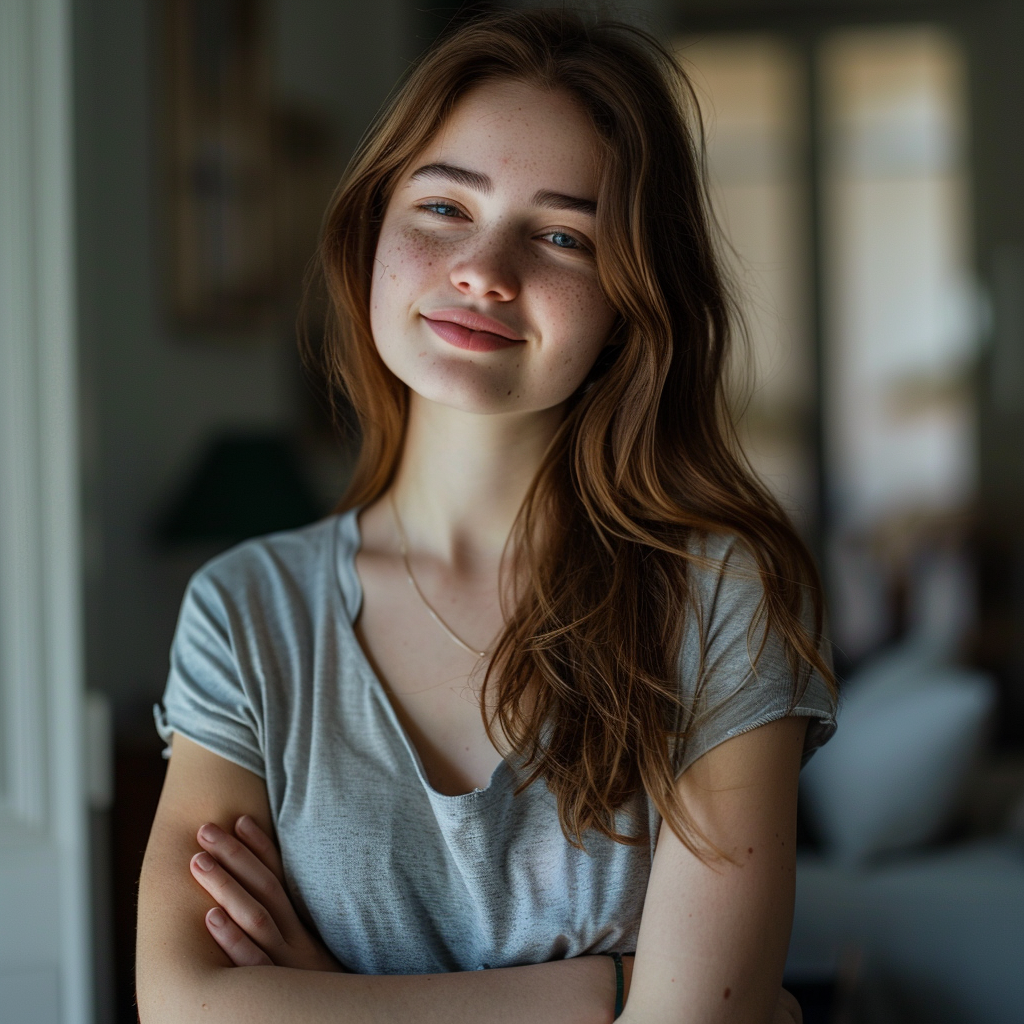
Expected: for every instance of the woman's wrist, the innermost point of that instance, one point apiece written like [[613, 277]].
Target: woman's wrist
[[627, 976], [610, 975], [616, 959]]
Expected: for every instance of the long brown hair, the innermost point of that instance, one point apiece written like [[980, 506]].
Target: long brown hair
[[645, 462]]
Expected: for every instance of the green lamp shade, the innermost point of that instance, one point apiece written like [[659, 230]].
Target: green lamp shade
[[245, 485]]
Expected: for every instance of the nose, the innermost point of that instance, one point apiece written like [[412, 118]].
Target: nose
[[488, 272]]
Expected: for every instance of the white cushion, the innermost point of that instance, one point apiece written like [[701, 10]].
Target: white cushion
[[908, 736]]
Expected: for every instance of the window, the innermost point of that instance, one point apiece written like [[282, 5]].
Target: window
[[851, 153]]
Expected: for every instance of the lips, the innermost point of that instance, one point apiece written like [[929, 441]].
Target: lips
[[471, 331]]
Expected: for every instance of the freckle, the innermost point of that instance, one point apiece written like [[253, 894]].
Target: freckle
[[750, 849], [727, 993]]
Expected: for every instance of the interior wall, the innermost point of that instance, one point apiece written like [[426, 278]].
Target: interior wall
[[152, 395]]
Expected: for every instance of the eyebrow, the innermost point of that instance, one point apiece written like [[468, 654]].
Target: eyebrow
[[481, 183]]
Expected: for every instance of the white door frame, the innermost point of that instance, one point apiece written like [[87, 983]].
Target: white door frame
[[45, 936]]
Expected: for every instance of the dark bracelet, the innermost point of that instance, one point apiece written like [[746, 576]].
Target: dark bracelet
[[619, 983]]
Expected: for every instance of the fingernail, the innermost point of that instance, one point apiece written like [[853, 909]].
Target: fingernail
[[244, 824], [217, 917], [203, 861], [209, 833]]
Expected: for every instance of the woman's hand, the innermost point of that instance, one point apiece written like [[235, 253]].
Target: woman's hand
[[787, 1009], [255, 923]]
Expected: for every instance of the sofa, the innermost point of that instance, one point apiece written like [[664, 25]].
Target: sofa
[[903, 909]]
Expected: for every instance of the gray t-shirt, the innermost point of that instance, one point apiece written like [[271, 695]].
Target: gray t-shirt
[[398, 878]]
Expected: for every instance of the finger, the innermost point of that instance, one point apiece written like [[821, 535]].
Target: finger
[[248, 913], [788, 1003], [261, 844], [241, 950], [254, 876]]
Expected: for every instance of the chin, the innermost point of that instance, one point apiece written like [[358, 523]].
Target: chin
[[468, 397], [477, 386]]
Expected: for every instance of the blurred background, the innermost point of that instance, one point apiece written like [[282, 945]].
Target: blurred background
[[867, 161]]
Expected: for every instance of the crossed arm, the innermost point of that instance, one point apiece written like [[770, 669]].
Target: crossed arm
[[711, 947]]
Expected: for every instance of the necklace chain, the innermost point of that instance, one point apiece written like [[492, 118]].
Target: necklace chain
[[404, 548]]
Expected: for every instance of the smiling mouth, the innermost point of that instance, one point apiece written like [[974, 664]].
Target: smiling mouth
[[469, 339]]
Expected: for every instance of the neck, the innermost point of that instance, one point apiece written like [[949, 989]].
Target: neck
[[462, 479]]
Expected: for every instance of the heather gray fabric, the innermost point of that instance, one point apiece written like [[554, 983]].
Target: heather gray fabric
[[266, 672]]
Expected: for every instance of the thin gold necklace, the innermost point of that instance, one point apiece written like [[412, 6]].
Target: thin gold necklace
[[403, 545]]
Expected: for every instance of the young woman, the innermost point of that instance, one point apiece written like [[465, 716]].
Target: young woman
[[541, 690]]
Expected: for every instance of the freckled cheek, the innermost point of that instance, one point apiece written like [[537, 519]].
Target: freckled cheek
[[417, 256], [408, 271], [587, 320], [403, 272]]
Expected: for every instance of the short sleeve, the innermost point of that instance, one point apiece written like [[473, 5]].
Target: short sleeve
[[733, 689], [207, 697]]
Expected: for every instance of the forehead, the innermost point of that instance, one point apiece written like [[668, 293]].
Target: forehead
[[522, 133]]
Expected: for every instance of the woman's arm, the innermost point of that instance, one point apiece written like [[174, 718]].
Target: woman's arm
[[713, 940], [183, 975]]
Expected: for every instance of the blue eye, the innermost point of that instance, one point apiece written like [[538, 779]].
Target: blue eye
[[438, 208], [563, 240]]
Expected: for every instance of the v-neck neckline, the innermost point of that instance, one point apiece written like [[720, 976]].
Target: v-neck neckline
[[352, 591]]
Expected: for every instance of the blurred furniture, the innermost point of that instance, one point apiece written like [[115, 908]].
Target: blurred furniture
[[942, 932], [939, 921]]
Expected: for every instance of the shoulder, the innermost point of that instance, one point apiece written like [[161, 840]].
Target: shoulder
[[247, 637], [729, 609], [735, 669], [286, 567], [271, 592], [725, 585], [294, 553], [725, 599]]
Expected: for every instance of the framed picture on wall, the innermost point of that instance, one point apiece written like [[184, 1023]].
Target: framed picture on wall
[[222, 273]]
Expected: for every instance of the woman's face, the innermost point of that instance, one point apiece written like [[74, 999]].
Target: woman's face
[[485, 294]]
